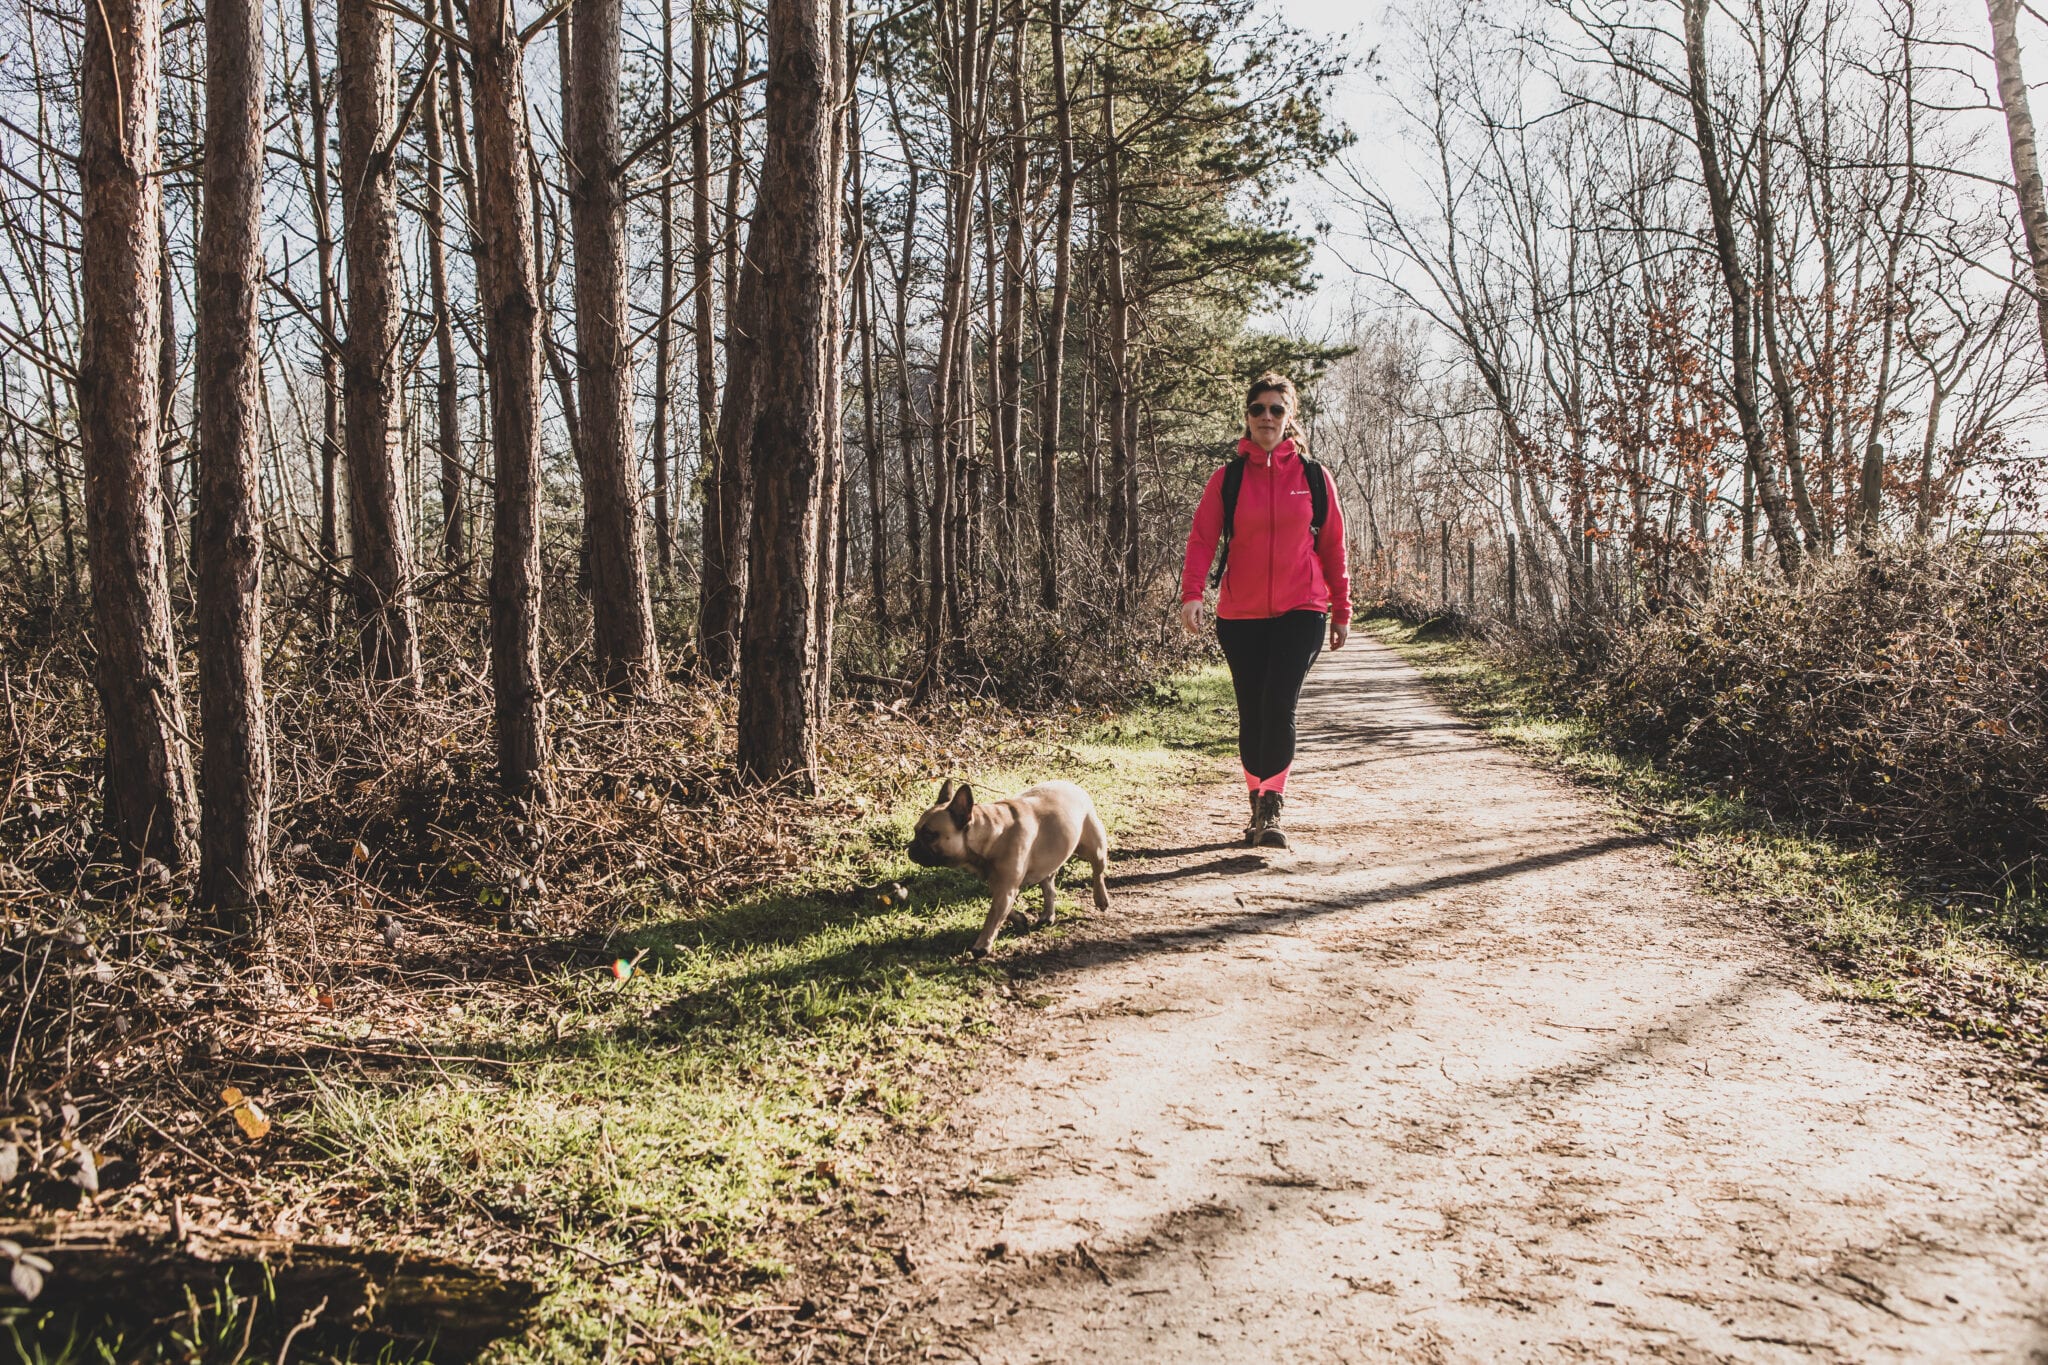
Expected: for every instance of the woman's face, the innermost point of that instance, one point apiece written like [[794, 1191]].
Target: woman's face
[[1267, 415]]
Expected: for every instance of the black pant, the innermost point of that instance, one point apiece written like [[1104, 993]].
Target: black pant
[[1269, 658]]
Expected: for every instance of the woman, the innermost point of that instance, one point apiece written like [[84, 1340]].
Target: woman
[[1282, 576]]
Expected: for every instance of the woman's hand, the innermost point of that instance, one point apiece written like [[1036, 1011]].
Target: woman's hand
[[1191, 617], [1340, 631]]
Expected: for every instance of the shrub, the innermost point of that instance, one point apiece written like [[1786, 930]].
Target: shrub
[[1900, 700]]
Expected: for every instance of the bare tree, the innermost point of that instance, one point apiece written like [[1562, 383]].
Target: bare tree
[[1742, 376], [1056, 330], [318, 95], [664, 320], [227, 542], [2026, 156], [1122, 545], [147, 781], [960, 47], [702, 283], [380, 551], [722, 582], [447, 410]]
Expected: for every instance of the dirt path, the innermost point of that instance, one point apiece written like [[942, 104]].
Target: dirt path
[[1469, 1075]]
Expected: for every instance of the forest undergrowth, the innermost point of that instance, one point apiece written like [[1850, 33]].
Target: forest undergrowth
[[1858, 756], [605, 1047]]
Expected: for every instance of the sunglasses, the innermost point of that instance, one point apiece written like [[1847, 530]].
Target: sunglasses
[[1261, 409]]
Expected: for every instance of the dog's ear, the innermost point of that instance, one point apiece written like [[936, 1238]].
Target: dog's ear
[[961, 805], [945, 792]]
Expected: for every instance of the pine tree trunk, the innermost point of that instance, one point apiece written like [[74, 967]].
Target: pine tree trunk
[[508, 287], [728, 492], [1056, 339], [167, 387], [448, 419], [791, 243], [831, 557], [234, 774], [664, 322], [1010, 397], [622, 620], [702, 283], [330, 359], [906, 409], [722, 588], [948, 385], [864, 327], [1122, 514], [2026, 156], [380, 555], [147, 779]]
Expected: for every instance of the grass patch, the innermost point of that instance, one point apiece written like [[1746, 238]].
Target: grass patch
[[1958, 960], [632, 1143]]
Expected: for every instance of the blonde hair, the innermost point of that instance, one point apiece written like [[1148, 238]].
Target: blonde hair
[[1272, 381]]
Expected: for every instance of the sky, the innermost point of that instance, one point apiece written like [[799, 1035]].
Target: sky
[[1353, 25]]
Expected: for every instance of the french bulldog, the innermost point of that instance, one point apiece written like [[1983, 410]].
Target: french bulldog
[[1012, 844]]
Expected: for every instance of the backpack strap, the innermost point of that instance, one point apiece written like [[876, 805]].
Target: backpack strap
[[1233, 482], [1318, 500]]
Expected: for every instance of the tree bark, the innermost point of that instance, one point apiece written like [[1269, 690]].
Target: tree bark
[[1056, 332], [831, 561], [722, 587], [622, 619], [167, 387], [728, 490], [380, 555], [790, 246], [147, 779], [702, 284], [1009, 415], [906, 408], [1776, 364], [948, 386], [234, 816], [1742, 342], [864, 328], [1122, 515], [508, 286], [2026, 157], [448, 419], [664, 322], [317, 94]]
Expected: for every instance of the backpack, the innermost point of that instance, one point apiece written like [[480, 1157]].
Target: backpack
[[1233, 482]]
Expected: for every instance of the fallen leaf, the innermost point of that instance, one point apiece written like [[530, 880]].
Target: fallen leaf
[[249, 1116], [27, 1276]]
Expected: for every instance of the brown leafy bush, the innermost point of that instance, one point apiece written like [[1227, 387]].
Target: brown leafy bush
[[1899, 700], [408, 890]]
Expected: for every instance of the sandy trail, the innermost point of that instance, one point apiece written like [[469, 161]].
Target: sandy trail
[[1468, 1075]]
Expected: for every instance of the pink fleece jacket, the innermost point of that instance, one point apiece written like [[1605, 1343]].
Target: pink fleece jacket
[[1274, 568]]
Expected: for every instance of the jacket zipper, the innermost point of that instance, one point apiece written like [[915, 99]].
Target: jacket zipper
[[1270, 537]]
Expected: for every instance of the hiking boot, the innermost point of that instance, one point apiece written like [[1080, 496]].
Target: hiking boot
[[1268, 821], [1254, 831]]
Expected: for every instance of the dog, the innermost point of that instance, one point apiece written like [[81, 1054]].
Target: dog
[[1012, 844]]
